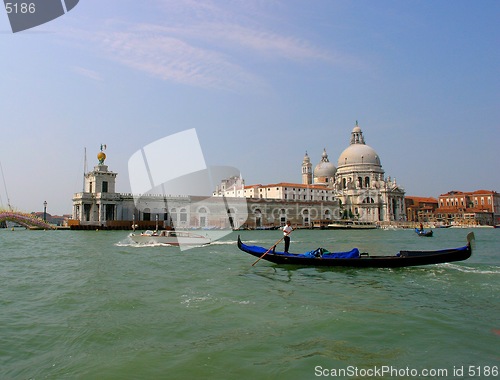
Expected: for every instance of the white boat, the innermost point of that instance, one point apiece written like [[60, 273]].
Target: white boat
[[170, 237], [352, 224]]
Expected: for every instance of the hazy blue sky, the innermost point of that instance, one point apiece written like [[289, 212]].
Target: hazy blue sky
[[261, 81]]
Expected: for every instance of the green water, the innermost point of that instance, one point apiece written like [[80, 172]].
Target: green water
[[91, 305]]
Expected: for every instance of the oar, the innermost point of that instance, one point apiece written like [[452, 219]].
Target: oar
[[269, 250]]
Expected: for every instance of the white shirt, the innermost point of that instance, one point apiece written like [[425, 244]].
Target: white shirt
[[287, 229]]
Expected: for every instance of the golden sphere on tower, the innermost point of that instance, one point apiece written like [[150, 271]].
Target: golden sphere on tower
[[101, 157]]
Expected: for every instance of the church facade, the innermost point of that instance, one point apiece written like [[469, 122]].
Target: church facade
[[358, 182], [355, 189]]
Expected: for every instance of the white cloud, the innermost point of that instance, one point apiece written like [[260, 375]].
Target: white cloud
[[260, 41], [91, 74], [151, 49]]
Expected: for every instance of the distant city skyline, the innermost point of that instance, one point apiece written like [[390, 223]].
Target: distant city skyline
[[261, 82]]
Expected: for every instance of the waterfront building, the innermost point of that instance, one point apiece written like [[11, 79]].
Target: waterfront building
[[273, 204], [264, 213], [421, 209], [100, 206], [98, 201], [293, 192], [480, 207], [231, 187]]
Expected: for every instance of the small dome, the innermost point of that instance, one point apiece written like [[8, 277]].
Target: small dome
[[325, 168]]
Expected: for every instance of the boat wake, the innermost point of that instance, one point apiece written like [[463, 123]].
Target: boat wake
[[128, 242], [144, 245], [224, 242], [466, 269]]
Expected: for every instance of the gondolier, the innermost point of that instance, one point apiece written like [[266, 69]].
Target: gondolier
[[287, 230]]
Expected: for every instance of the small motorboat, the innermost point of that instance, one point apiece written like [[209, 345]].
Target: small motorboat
[[170, 237], [420, 232], [353, 258], [351, 225]]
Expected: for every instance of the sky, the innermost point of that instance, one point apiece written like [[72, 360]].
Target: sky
[[262, 82]]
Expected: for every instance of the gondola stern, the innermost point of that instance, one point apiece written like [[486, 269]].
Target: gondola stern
[[240, 243], [471, 240]]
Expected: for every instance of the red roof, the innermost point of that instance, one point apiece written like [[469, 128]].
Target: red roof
[[289, 184], [455, 192], [423, 199]]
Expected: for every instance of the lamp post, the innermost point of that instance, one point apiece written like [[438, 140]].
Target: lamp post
[[44, 211]]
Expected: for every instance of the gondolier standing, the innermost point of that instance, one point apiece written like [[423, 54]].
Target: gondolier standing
[[287, 230]]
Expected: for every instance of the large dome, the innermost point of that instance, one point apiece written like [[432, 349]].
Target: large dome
[[359, 154]]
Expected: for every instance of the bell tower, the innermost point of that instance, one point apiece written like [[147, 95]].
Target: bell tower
[[307, 173]]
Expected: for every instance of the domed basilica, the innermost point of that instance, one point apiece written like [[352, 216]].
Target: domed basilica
[[358, 182]]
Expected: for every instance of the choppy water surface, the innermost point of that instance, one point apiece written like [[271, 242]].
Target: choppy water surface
[[88, 305]]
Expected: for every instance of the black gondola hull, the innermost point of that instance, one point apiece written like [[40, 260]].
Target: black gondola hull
[[427, 233], [403, 259]]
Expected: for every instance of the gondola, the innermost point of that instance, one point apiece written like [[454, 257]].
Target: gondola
[[420, 232], [321, 257]]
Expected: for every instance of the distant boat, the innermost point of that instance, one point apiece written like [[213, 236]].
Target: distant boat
[[442, 226], [351, 225], [170, 237], [420, 232]]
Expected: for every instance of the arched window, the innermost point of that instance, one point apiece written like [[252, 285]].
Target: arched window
[[183, 215], [282, 216], [305, 217], [258, 217], [202, 217], [327, 215]]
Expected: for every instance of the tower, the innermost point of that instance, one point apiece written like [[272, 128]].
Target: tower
[[98, 201], [306, 170]]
